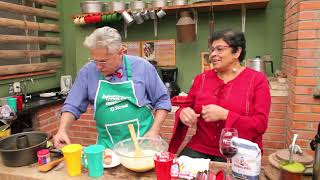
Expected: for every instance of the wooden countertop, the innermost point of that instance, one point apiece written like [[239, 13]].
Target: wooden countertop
[[31, 173]]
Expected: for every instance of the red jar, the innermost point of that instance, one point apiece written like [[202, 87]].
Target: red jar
[[43, 156]]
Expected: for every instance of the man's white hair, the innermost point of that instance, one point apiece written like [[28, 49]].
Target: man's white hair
[[105, 37]]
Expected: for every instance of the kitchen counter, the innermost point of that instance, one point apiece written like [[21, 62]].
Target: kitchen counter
[[38, 102], [31, 173]]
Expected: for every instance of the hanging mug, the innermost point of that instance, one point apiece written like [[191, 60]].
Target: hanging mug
[[76, 20], [145, 15], [152, 14], [127, 18], [138, 18], [161, 13], [81, 20]]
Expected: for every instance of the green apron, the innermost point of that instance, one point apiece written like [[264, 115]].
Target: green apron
[[116, 106]]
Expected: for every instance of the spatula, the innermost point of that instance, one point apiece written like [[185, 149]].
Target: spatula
[[50, 165], [138, 152]]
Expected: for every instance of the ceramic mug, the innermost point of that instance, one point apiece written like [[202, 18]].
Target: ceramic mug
[[161, 13], [145, 15], [127, 18], [93, 160], [138, 18], [152, 14]]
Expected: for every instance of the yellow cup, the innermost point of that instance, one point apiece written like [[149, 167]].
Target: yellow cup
[[72, 157]]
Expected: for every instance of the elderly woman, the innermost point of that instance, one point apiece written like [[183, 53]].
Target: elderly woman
[[230, 95]]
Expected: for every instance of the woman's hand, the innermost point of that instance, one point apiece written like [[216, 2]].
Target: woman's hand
[[214, 112], [188, 117]]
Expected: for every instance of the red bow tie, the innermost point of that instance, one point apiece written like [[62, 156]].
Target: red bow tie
[[117, 74]]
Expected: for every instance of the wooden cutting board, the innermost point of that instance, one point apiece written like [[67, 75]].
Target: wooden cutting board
[[275, 162], [272, 172], [283, 154]]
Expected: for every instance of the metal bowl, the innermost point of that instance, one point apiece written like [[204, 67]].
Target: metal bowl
[[21, 149], [150, 146]]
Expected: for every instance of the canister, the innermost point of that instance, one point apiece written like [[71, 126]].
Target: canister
[[43, 156]]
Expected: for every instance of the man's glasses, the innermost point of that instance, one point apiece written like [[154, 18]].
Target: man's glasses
[[218, 49], [99, 62]]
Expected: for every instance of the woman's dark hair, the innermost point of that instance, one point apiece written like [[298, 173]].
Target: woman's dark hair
[[233, 38]]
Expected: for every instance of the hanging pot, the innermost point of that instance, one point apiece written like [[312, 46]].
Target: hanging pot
[[117, 6], [137, 5], [21, 149], [186, 27], [91, 6], [158, 3], [179, 2]]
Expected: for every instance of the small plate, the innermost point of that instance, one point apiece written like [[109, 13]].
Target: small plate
[[115, 161], [50, 94]]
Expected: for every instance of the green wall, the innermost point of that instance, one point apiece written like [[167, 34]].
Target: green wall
[[263, 33]]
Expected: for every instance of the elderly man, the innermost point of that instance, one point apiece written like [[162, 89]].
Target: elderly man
[[123, 90]]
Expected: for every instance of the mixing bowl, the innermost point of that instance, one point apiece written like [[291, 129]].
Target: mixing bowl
[[150, 146]]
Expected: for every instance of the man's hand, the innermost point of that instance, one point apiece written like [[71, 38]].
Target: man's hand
[[214, 112], [188, 117], [61, 139]]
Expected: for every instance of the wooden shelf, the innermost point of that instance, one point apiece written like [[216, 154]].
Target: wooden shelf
[[226, 5]]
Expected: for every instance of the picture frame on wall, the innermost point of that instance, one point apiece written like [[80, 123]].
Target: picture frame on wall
[[163, 52], [205, 62], [148, 50]]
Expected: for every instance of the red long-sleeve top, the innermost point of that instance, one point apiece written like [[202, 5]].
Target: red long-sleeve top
[[247, 97]]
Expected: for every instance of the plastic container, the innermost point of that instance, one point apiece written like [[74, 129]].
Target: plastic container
[[5, 131], [43, 156]]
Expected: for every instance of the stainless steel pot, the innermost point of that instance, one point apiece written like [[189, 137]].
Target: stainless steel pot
[[117, 6], [137, 5], [180, 2], [15, 154], [260, 65], [91, 6], [158, 3]]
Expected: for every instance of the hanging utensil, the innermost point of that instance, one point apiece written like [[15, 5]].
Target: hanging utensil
[[243, 18], [155, 27], [138, 152], [211, 20], [295, 136]]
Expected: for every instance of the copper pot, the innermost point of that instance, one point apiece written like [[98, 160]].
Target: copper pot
[[186, 28]]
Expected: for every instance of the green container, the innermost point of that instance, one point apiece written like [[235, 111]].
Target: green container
[[12, 103], [93, 160]]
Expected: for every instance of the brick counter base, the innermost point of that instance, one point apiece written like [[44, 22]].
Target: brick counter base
[[83, 131]]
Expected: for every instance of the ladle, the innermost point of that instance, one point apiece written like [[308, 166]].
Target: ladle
[[138, 152], [295, 136]]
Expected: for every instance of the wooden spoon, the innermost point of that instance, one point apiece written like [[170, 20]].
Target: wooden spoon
[[138, 152], [50, 165]]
